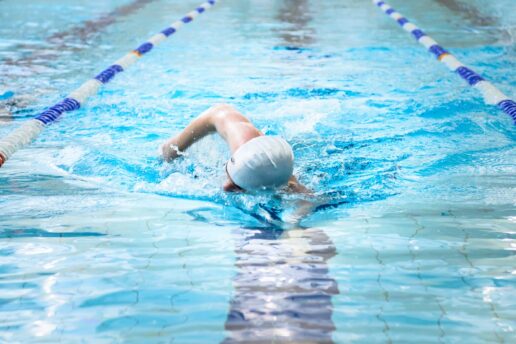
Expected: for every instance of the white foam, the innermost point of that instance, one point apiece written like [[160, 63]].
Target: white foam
[[304, 121], [70, 155]]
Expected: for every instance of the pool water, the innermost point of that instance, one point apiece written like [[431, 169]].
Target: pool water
[[414, 236]]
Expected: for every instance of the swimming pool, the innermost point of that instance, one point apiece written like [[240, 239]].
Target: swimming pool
[[415, 240]]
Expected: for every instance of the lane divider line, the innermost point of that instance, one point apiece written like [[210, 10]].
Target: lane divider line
[[491, 94], [30, 129]]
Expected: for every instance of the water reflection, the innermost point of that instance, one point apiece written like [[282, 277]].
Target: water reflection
[[296, 14], [479, 20], [470, 12], [282, 290]]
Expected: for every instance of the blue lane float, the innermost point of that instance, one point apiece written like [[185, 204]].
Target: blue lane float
[[30, 129], [491, 94], [109, 73], [52, 113]]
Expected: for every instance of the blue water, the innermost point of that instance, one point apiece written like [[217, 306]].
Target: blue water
[[412, 241]]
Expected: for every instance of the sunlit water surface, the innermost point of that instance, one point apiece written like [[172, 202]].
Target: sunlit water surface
[[414, 237]]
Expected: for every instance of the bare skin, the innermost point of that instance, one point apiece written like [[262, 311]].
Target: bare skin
[[231, 125]]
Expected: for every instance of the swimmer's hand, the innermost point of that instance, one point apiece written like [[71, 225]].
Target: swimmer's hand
[[301, 209], [294, 186], [304, 206], [169, 150]]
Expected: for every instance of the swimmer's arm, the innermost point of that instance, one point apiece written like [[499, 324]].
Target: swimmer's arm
[[303, 207], [294, 186], [220, 118], [196, 130]]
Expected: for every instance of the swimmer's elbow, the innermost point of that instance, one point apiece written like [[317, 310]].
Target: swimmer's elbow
[[223, 112], [222, 107], [216, 114]]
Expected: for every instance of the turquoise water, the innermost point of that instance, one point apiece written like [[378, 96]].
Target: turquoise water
[[413, 242]]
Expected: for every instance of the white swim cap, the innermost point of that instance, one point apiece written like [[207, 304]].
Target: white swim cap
[[263, 162]]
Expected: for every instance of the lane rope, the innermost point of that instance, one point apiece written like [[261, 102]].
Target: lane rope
[[30, 129], [491, 94]]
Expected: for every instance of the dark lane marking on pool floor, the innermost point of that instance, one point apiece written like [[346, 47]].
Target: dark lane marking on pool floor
[[283, 290]]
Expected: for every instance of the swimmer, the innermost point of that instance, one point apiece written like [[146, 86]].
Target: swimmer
[[257, 162]]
